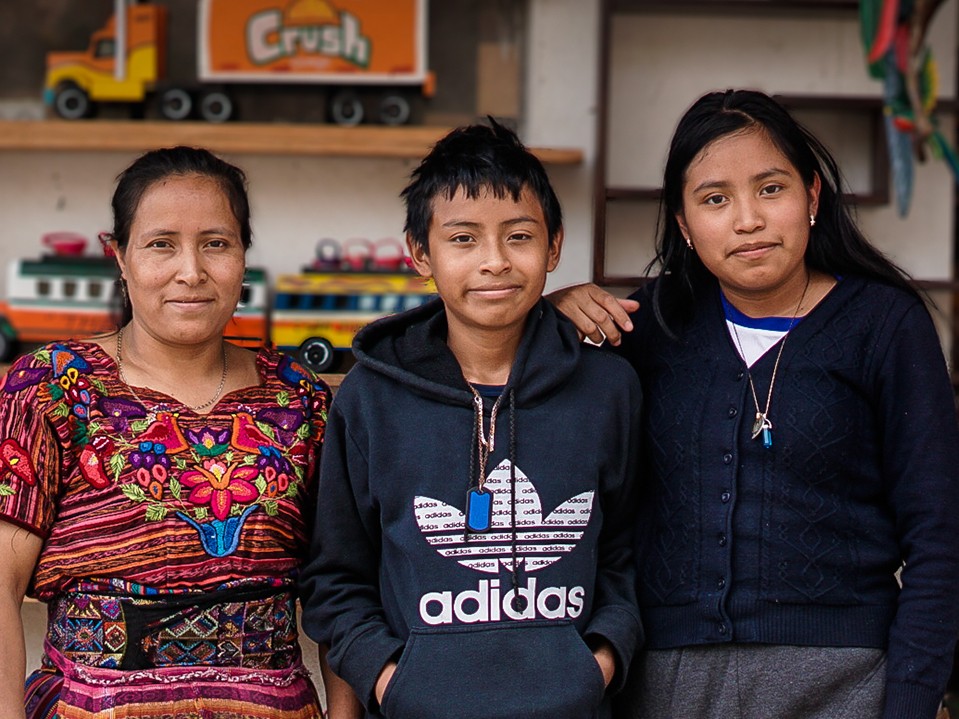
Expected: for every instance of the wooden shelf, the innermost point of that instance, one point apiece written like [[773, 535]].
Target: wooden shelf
[[626, 6], [242, 138]]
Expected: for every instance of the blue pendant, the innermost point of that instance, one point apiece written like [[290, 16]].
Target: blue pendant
[[479, 510], [767, 437]]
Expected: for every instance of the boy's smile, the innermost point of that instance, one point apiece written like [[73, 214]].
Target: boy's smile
[[489, 257]]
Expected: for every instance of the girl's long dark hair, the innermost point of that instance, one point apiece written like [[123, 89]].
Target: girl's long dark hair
[[836, 244]]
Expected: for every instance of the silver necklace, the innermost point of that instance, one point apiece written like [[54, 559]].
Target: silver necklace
[[762, 425], [195, 408]]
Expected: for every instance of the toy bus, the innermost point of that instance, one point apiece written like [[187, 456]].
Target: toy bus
[[60, 296], [316, 314], [313, 314]]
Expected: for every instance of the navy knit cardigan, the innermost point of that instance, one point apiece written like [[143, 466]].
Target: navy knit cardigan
[[799, 544]]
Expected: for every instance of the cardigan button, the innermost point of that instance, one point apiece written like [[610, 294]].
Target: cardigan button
[[722, 540], [722, 628], [732, 412], [721, 584], [740, 375], [727, 458], [725, 497]]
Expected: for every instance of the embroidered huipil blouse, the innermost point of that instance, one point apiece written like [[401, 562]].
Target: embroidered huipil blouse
[[149, 497]]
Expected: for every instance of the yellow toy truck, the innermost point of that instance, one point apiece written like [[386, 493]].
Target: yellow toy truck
[[372, 52]]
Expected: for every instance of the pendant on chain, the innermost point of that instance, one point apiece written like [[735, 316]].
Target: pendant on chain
[[762, 426]]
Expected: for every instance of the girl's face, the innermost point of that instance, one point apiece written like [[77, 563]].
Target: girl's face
[[746, 211], [184, 261]]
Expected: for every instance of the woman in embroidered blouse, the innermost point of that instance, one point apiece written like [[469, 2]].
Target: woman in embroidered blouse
[[800, 442], [153, 481]]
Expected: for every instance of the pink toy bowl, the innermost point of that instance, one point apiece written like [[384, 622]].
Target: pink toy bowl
[[65, 243]]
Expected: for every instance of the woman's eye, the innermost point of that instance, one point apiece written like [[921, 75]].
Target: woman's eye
[[771, 189], [461, 239], [715, 200], [520, 236], [160, 244]]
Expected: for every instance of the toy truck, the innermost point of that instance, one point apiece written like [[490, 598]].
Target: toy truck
[[370, 53]]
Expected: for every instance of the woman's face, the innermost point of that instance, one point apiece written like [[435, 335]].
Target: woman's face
[[746, 211], [184, 261]]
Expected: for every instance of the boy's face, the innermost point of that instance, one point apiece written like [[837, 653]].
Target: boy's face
[[488, 257]]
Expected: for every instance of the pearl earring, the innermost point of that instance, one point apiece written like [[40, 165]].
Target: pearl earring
[[812, 220], [689, 243]]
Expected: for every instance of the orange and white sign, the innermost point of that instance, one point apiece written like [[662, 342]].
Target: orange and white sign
[[319, 41]]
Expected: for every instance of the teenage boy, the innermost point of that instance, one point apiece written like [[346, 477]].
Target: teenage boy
[[472, 549]]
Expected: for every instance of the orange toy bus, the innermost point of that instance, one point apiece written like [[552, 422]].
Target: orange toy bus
[[60, 297]]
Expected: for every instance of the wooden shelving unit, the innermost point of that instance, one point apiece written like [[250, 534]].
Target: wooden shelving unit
[[241, 138]]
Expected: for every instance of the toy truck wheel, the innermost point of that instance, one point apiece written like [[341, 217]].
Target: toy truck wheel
[[176, 104], [71, 102], [216, 106], [346, 109], [317, 354], [394, 110]]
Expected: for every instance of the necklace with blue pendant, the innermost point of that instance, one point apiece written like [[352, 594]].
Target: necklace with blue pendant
[[762, 425], [479, 500]]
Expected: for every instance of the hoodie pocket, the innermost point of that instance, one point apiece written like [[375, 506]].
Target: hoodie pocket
[[534, 670]]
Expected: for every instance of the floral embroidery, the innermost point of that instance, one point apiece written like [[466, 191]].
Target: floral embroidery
[[15, 460], [92, 467], [211, 475], [208, 442], [220, 485]]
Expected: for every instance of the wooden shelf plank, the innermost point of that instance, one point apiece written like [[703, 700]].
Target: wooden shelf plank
[[242, 138]]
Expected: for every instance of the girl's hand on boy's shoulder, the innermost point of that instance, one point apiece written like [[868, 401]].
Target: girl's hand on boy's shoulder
[[595, 313], [606, 659]]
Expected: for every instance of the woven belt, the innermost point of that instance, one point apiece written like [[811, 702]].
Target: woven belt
[[248, 628]]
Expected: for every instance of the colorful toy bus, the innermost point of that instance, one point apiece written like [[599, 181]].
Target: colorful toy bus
[[313, 314], [316, 314], [58, 296]]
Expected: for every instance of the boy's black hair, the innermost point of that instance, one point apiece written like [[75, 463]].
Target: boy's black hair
[[476, 158]]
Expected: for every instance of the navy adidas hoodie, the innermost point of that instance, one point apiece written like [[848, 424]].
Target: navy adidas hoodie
[[495, 624]]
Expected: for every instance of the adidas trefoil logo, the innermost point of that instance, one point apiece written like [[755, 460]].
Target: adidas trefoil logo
[[539, 541]]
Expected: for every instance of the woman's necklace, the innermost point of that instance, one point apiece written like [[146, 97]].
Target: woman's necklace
[[762, 424], [195, 408]]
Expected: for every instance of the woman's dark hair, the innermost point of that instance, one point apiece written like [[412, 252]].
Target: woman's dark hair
[[836, 244], [157, 165], [475, 158]]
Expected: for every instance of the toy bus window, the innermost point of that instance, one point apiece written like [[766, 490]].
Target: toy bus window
[[95, 290], [245, 295], [344, 302], [43, 288], [367, 303], [283, 302], [414, 301], [104, 48], [390, 303], [69, 288]]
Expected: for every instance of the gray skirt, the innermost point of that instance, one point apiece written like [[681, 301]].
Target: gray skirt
[[752, 681]]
